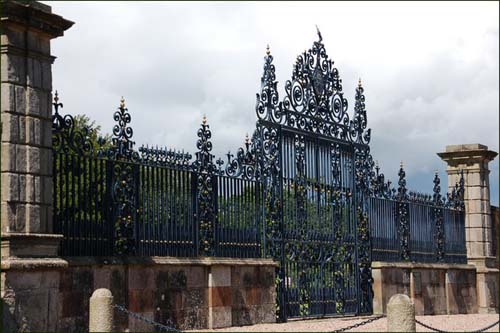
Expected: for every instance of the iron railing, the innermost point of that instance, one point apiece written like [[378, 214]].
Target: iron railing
[[416, 227], [112, 200]]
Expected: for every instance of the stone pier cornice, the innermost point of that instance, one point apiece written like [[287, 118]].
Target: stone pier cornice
[[34, 15], [467, 154]]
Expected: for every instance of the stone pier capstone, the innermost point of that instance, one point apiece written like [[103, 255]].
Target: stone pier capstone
[[101, 311], [400, 314]]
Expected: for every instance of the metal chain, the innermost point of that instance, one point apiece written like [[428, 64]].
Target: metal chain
[[438, 330], [360, 324], [162, 327]]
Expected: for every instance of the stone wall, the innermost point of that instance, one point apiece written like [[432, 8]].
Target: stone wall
[[192, 293], [434, 288]]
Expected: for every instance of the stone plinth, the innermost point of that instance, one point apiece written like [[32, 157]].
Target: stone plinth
[[26, 142], [53, 295], [435, 289]]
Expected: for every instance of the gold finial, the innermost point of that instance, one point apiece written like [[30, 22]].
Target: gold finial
[[247, 139], [204, 121], [376, 163], [401, 164], [359, 82], [268, 51], [122, 103], [436, 172], [56, 97]]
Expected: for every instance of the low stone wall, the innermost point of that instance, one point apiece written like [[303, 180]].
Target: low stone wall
[[53, 294], [434, 288]]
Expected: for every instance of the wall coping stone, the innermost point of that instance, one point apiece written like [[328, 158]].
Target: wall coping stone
[[202, 261], [415, 265], [25, 264]]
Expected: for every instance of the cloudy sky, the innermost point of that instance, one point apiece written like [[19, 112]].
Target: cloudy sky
[[430, 70]]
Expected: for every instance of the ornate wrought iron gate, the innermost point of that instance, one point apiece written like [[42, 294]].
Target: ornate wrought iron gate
[[316, 167]]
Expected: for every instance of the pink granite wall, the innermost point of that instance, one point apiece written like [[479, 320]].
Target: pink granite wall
[[191, 296]]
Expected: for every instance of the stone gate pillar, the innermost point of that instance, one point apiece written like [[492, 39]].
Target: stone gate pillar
[[473, 159], [26, 141]]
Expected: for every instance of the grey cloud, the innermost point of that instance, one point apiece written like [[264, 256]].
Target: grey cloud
[[176, 62]]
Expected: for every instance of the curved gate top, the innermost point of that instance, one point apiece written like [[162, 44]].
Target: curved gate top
[[316, 166]]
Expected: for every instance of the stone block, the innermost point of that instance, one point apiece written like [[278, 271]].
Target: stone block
[[34, 72], [197, 277], [221, 296], [478, 207], [13, 68], [137, 325], [46, 189], [220, 276], [476, 234], [140, 301], [10, 127], [47, 76], [38, 43], [140, 277], [50, 279], [268, 295], [194, 298], [35, 218], [9, 157], [24, 281], [20, 223], [33, 131], [8, 216], [267, 313], [39, 160], [244, 315], [46, 134], [29, 303], [21, 155], [38, 104], [475, 220], [10, 186], [248, 277], [266, 276], [13, 37], [475, 193], [220, 317], [72, 303], [102, 277]]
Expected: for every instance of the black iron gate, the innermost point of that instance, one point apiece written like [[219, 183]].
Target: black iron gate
[[316, 168]]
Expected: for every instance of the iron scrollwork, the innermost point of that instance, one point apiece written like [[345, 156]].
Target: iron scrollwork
[[314, 100], [206, 173], [364, 173], [403, 224], [67, 137], [437, 215], [124, 187], [245, 163]]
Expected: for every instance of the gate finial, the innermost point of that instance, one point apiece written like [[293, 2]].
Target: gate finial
[[319, 34]]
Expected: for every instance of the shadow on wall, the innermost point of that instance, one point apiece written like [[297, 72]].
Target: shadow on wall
[[8, 321]]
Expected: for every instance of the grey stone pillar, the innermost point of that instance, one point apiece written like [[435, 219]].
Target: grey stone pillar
[[473, 159], [26, 141]]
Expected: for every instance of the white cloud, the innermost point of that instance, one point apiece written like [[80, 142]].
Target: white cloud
[[430, 70]]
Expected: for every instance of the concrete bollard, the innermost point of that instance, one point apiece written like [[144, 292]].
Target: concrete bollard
[[101, 311], [400, 314]]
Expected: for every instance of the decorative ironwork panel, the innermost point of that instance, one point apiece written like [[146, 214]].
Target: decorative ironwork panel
[[316, 172]]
